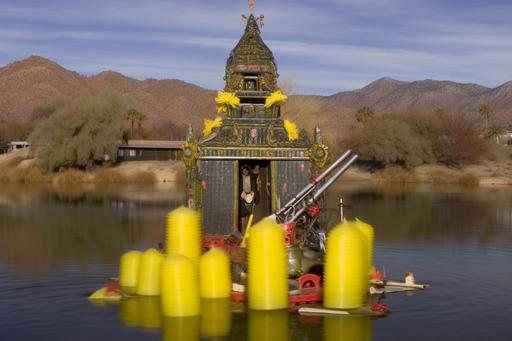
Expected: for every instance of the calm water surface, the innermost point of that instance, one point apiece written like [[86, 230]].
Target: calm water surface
[[56, 247]]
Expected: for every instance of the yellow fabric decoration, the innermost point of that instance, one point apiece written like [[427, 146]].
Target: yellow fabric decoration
[[209, 125], [225, 100], [277, 97], [291, 130]]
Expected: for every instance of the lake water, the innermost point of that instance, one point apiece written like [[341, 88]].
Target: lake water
[[56, 247]]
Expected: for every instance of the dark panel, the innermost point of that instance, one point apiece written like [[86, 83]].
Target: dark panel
[[218, 208], [291, 178]]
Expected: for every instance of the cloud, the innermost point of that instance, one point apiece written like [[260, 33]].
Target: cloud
[[331, 45]]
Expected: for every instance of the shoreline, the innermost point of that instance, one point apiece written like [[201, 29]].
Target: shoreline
[[19, 167]]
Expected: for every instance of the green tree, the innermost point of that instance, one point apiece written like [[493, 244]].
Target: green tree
[[79, 132], [135, 116], [485, 112], [391, 139], [495, 131], [364, 114]]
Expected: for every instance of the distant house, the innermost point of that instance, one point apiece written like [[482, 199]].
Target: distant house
[[15, 145], [138, 150]]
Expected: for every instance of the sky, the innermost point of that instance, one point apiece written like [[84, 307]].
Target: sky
[[322, 46]]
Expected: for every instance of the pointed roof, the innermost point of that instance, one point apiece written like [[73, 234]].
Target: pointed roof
[[250, 55]]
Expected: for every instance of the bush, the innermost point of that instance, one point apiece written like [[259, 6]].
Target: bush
[[80, 132], [459, 141], [396, 139], [13, 131]]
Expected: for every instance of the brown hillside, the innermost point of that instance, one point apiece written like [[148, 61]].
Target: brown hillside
[[27, 86]]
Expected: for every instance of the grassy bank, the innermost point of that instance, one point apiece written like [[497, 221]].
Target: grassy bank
[[19, 167]]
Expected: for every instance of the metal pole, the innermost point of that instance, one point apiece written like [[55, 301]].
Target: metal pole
[[341, 210], [309, 188], [326, 185]]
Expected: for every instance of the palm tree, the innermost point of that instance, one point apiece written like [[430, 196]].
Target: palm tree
[[133, 115], [495, 131], [485, 112], [364, 114]]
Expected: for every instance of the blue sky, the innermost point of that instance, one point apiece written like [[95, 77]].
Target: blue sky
[[325, 46]]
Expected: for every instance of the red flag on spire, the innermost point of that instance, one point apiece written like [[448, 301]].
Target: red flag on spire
[[251, 5]]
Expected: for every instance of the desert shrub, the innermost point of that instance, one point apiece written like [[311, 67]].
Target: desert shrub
[[397, 174], [469, 180], [395, 139], [109, 176], [79, 132], [69, 177], [459, 141], [22, 175], [143, 176]]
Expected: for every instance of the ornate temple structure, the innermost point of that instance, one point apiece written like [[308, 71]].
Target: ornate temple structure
[[251, 133]]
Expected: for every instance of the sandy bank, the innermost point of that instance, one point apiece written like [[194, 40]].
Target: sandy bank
[[22, 168]]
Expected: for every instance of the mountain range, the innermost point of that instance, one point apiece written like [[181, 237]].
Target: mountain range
[[29, 86]]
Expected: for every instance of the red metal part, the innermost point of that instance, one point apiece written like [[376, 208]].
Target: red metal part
[[289, 233], [309, 292]]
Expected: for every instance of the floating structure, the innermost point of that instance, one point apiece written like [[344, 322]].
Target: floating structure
[[250, 133], [247, 165]]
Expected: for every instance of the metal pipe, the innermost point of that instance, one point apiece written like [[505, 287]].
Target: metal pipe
[[333, 178], [309, 188], [326, 185]]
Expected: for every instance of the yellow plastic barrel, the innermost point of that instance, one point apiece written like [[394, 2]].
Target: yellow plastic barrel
[[148, 282], [369, 234], [344, 273], [215, 274], [216, 317], [180, 287], [181, 328], [267, 267], [269, 325], [348, 328], [129, 270], [184, 233]]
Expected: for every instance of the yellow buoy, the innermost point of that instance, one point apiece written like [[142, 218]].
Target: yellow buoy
[[180, 287], [214, 274], [345, 260], [216, 317], [181, 328], [369, 234], [129, 271], [267, 267], [269, 325], [148, 281], [184, 233], [358, 328]]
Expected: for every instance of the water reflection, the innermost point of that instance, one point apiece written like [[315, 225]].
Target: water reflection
[[269, 325], [347, 328], [181, 328], [54, 227], [448, 213], [143, 312], [216, 317]]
